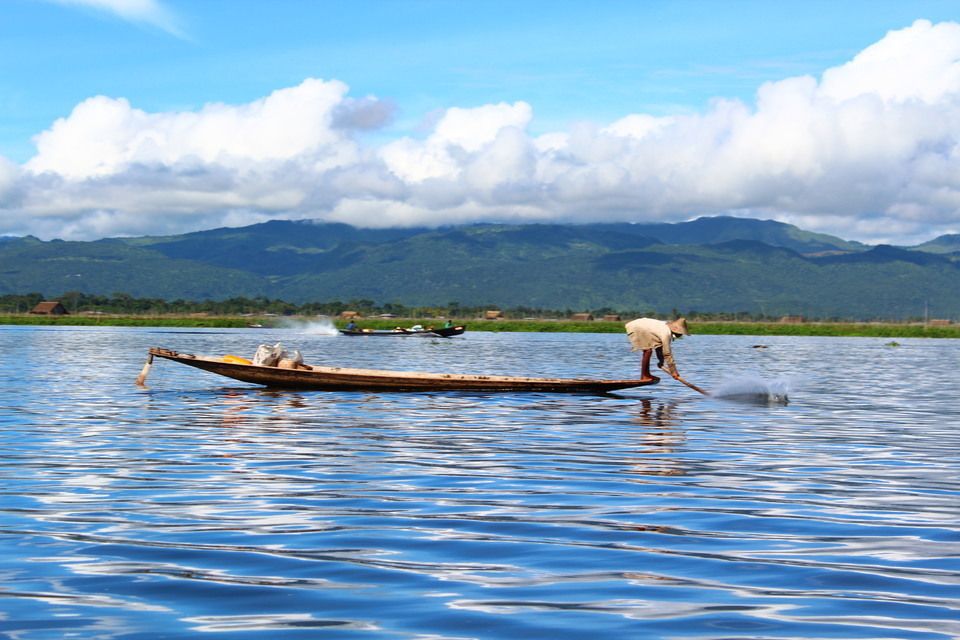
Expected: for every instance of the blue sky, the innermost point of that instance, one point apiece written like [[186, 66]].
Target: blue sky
[[130, 117]]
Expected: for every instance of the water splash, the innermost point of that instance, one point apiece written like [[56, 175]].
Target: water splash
[[754, 390], [318, 327]]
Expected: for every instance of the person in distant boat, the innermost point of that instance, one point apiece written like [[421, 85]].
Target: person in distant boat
[[416, 327], [352, 326], [651, 335], [448, 325]]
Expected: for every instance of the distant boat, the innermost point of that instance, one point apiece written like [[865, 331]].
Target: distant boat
[[442, 332], [301, 376]]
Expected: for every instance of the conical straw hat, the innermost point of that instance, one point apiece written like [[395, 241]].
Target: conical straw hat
[[679, 326]]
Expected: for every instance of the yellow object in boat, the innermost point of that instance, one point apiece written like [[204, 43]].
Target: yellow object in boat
[[236, 360]]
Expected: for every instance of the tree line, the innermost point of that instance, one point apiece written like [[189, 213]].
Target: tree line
[[124, 304], [77, 302]]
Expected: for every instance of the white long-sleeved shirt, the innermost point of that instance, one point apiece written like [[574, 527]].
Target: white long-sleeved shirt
[[650, 333]]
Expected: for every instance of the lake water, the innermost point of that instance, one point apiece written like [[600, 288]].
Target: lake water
[[202, 507]]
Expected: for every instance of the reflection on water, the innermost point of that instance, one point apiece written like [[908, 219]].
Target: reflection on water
[[201, 505], [660, 441]]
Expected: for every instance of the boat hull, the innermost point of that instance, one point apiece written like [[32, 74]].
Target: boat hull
[[442, 332], [348, 379]]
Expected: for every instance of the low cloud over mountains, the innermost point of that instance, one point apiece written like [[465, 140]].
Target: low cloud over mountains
[[869, 151]]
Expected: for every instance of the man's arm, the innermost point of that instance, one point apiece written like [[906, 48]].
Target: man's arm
[[665, 353]]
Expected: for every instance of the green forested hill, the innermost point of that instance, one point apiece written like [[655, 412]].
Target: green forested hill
[[949, 243], [724, 228], [278, 247], [707, 265], [29, 265]]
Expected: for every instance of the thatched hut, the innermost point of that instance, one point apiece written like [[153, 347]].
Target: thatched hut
[[50, 309]]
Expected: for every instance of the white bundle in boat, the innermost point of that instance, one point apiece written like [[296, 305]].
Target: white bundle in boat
[[269, 356], [290, 360], [277, 356]]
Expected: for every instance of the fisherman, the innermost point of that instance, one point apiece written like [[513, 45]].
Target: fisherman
[[649, 335], [352, 326]]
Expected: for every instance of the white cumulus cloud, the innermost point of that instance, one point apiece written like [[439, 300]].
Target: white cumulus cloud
[[919, 63], [869, 151], [105, 136]]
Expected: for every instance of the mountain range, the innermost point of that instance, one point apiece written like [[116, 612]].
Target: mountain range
[[712, 264]]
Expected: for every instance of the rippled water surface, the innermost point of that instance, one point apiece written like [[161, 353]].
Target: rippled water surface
[[204, 507]]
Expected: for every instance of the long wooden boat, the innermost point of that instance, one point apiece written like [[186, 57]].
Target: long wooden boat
[[347, 379], [442, 332]]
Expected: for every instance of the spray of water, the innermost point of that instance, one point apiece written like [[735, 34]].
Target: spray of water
[[754, 390], [318, 327]]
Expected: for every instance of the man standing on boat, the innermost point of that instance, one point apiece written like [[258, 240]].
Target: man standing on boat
[[649, 335]]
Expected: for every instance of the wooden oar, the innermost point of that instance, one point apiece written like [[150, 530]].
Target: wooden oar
[[692, 386], [689, 384], [146, 369]]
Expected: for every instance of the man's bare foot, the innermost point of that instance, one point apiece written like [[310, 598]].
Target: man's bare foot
[[649, 379]]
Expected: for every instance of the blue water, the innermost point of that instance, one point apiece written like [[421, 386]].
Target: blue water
[[203, 507]]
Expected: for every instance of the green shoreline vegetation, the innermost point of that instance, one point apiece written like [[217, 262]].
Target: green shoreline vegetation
[[123, 310], [836, 329]]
